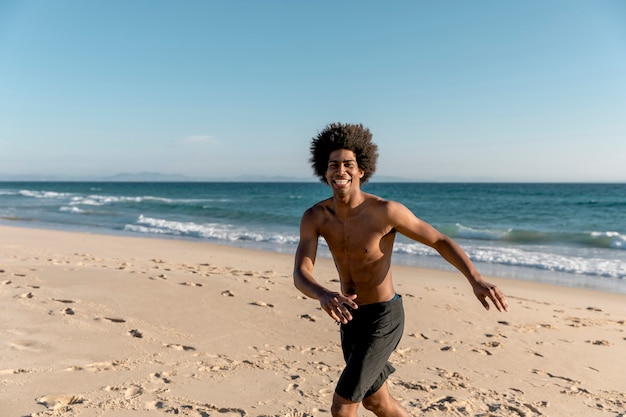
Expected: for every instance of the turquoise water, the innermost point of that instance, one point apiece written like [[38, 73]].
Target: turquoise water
[[568, 234]]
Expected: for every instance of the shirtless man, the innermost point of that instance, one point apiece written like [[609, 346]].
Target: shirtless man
[[360, 229]]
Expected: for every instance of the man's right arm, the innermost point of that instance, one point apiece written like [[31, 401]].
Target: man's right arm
[[305, 258], [333, 303]]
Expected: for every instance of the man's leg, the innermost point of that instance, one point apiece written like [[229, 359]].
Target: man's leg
[[343, 408], [383, 404]]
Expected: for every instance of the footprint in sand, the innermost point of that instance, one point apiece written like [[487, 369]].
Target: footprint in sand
[[135, 333], [443, 404], [600, 342], [68, 311], [132, 392], [294, 388], [101, 366], [51, 401], [307, 317], [176, 346], [129, 391], [262, 304], [155, 405], [191, 284], [27, 345], [419, 386], [161, 377], [551, 375], [63, 301], [26, 295], [115, 320], [325, 392], [228, 293], [14, 371], [490, 335]]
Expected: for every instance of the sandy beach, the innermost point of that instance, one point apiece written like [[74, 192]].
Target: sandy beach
[[98, 325]]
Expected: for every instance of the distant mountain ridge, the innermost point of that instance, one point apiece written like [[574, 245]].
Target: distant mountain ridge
[[160, 177], [149, 177]]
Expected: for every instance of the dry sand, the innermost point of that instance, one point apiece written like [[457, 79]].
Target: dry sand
[[94, 325]]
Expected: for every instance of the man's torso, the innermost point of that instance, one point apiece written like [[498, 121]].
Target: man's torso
[[361, 244]]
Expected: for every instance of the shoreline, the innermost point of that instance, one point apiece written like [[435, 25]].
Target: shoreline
[[96, 324], [516, 273]]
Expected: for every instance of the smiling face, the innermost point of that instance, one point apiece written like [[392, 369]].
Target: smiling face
[[343, 172]]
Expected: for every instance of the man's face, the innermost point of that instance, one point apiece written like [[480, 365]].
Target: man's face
[[343, 172]]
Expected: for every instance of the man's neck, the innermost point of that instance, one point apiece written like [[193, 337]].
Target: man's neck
[[345, 203]]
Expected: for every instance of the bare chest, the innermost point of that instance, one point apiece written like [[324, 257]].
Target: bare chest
[[355, 238]]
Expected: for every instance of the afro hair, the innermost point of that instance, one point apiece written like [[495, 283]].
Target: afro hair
[[353, 137]]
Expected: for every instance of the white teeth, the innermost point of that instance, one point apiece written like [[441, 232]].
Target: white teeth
[[341, 182]]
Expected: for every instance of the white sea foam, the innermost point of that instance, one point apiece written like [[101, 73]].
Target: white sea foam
[[102, 200], [219, 231], [42, 194], [618, 241], [531, 258], [482, 234], [71, 209]]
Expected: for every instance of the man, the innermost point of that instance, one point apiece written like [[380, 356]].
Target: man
[[360, 229]]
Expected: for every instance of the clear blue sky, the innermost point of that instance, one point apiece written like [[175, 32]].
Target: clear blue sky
[[527, 90]]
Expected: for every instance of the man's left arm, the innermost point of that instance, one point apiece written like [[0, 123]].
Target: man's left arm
[[412, 227]]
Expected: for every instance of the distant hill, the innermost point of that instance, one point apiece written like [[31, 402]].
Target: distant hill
[[150, 177], [160, 177]]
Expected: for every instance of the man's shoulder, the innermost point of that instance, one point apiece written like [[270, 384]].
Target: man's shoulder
[[316, 215], [319, 207], [374, 198], [322, 204], [383, 208], [380, 202]]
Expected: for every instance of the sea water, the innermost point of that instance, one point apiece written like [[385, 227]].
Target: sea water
[[565, 234]]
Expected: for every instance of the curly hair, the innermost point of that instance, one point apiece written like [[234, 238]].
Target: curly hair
[[353, 137]]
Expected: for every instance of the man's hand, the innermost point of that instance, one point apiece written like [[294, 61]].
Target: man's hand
[[336, 305], [484, 290]]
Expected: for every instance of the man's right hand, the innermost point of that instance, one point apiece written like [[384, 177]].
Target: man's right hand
[[338, 306]]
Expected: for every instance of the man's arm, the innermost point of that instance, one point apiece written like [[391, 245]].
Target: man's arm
[[334, 303], [412, 227]]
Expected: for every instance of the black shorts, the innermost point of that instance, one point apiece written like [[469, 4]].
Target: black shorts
[[367, 342]]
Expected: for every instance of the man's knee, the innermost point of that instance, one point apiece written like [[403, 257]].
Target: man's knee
[[342, 407], [374, 403], [383, 404], [339, 411]]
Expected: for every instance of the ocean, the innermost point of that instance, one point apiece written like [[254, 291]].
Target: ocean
[[563, 234]]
